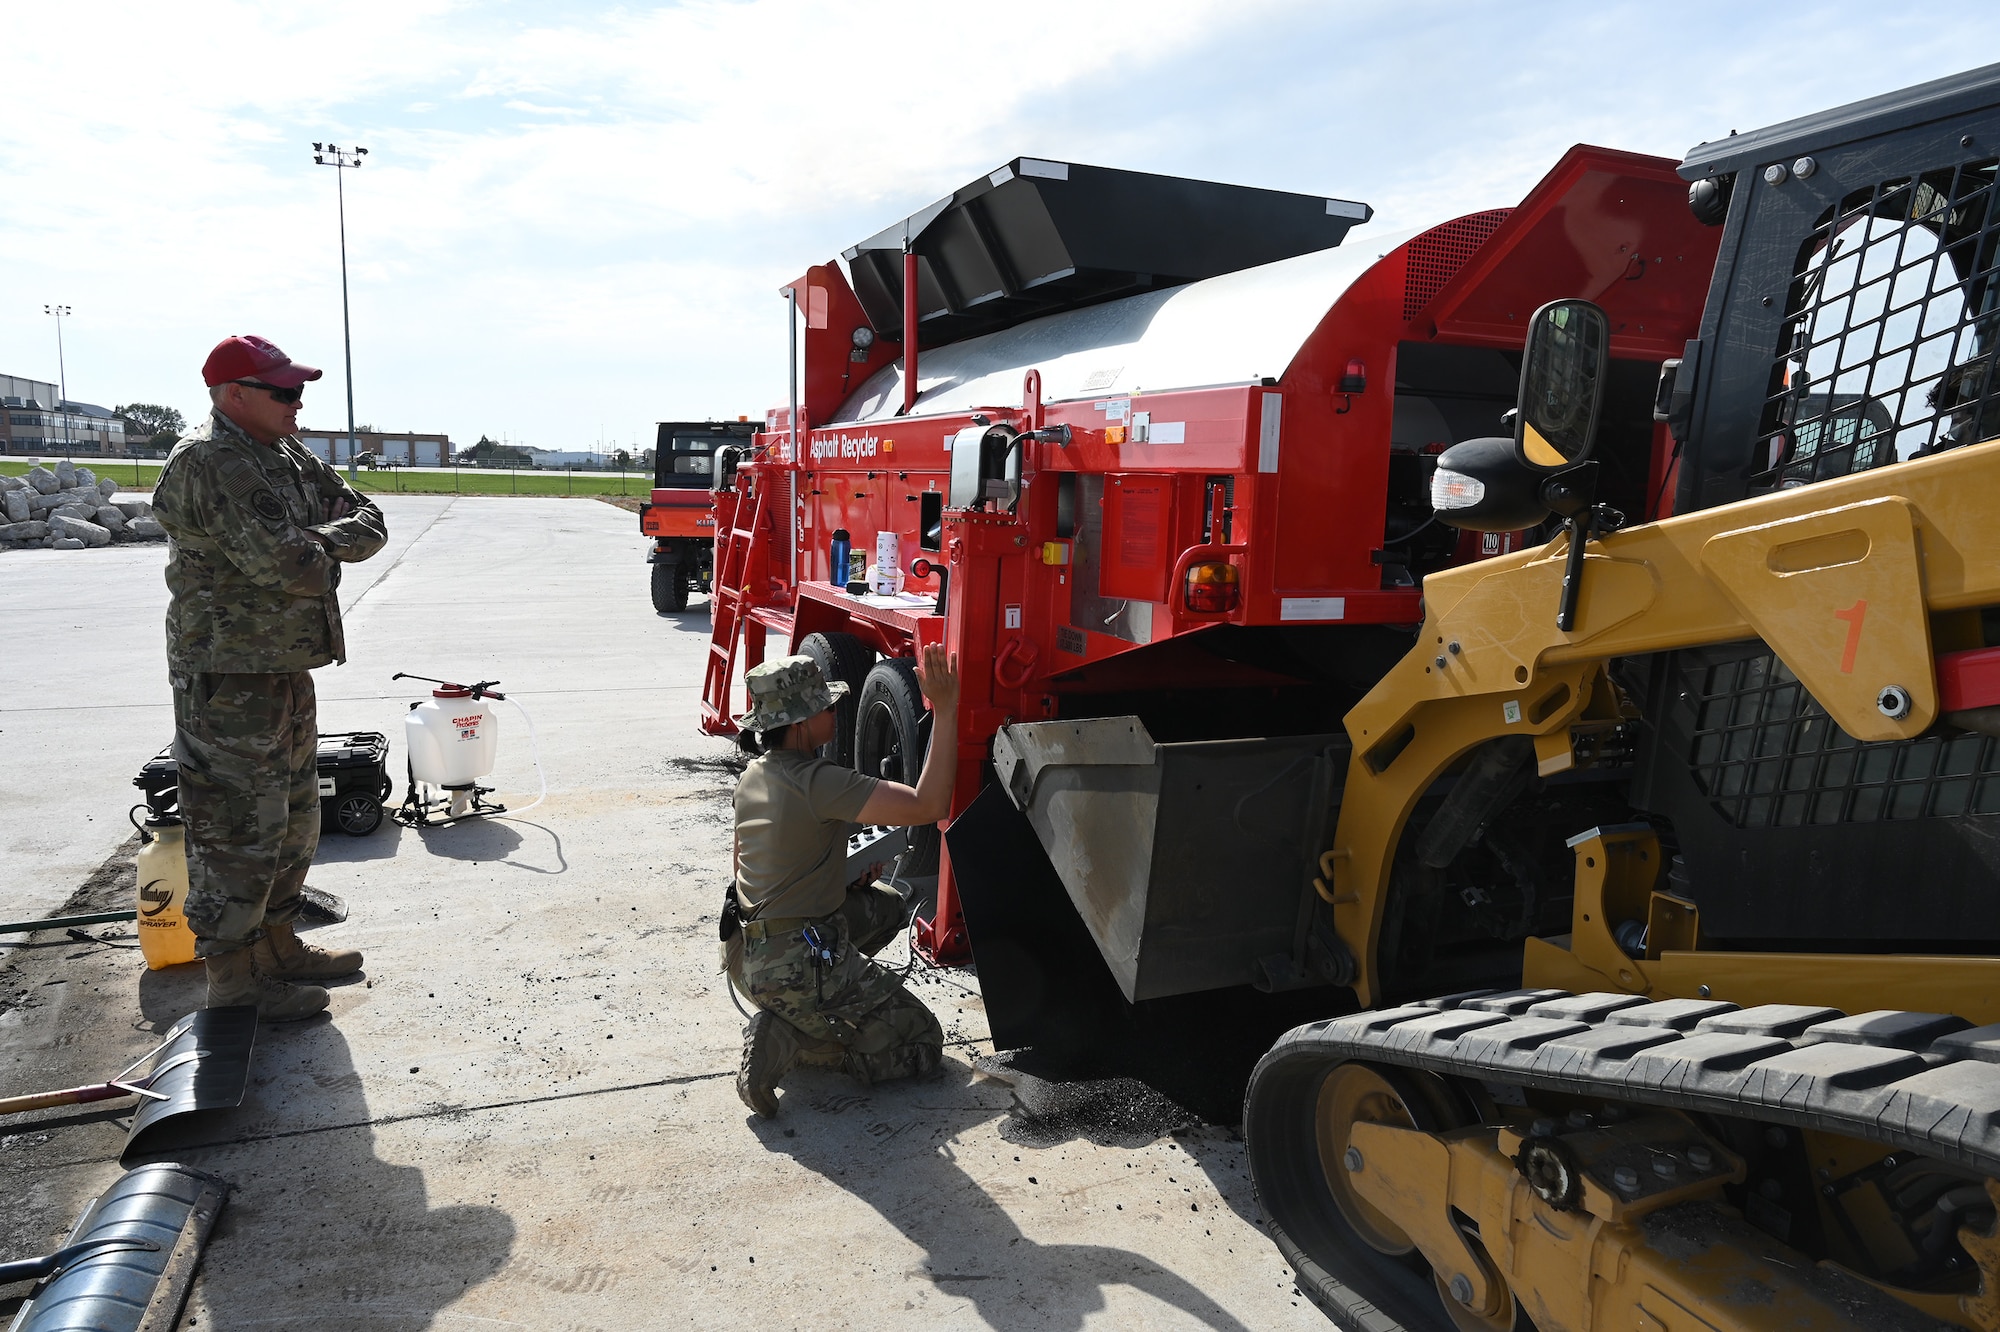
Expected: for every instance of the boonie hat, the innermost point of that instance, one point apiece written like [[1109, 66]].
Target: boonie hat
[[247, 356], [787, 690]]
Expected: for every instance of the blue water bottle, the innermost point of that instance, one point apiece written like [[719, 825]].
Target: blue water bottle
[[836, 567]]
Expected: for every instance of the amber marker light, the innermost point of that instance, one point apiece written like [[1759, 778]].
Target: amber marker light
[[1212, 587]]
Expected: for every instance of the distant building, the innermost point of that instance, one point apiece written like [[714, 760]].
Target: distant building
[[32, 421], [15, 386], [390, 446], [583, 460]]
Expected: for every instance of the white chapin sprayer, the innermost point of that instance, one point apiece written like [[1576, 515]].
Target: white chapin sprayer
[[453, 739]]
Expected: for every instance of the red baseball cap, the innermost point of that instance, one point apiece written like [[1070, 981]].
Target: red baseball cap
[[247, 356]]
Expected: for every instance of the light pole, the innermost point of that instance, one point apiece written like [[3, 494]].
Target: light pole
[[327, 154], [62, 372]]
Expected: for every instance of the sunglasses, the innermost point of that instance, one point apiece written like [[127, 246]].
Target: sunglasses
[[287, 396]]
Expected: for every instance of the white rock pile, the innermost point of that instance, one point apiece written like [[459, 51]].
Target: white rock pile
[[68, 508]]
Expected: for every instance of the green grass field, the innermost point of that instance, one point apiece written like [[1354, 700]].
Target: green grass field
[[472, 481], [131, 475], [395, 481]]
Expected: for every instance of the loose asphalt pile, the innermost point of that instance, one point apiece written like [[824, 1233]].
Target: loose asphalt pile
[[67, 507]]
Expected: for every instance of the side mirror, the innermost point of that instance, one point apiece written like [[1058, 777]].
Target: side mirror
[[985, 465], [722, 471], [1562, 385]]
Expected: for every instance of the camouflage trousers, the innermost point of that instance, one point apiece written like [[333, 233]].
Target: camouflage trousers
[[247, 748], [851, 1013]]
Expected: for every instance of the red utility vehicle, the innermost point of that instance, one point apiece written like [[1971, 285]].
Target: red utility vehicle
[[1159, 451], [681, 519]]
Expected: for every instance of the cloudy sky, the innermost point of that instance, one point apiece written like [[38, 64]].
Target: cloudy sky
[[574, 218]]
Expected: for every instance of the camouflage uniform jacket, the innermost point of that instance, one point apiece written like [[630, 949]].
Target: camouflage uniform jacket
[[252, 592]]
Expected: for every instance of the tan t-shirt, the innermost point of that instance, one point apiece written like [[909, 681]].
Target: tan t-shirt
[[792, 812]]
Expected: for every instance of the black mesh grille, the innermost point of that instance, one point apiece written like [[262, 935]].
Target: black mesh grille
[[1440, 252], [1768, 756], [1889, 346]]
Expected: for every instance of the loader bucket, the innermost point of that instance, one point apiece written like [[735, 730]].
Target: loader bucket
[[132, 1256], [1049, 995], [1191, 864]]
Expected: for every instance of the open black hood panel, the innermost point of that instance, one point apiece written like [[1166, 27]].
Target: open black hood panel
[[1036, 237]]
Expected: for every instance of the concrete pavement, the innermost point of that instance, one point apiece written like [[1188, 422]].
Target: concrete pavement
[[522, 1115]]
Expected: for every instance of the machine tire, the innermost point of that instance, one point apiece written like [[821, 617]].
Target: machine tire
[[358, 815], [670, 589], [841, 657], [892, 734]]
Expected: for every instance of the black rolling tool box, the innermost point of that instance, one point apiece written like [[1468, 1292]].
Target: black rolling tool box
[[354, 782]]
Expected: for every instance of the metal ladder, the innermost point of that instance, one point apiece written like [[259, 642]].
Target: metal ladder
[[733, 574]]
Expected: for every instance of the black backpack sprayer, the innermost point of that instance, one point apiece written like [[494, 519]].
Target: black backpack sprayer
[[452, 740]]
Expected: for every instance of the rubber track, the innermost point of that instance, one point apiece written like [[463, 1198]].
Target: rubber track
[[1922, 1082]]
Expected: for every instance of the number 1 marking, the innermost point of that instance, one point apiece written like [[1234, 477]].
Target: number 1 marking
[[1854, 615]]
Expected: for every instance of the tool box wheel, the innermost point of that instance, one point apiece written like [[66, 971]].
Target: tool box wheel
[[358, 815]]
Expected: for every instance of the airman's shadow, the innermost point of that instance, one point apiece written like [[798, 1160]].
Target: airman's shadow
[[975, 1250], [320, 1232], [170, 994]]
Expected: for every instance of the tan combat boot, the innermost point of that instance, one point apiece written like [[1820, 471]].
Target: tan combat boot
[[282, 955], [233, 979], [770, 1049]]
